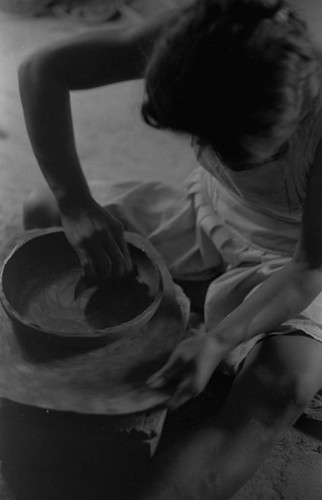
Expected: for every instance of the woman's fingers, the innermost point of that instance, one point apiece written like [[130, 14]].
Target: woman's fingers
[[184, 392], [185, 389], [118, 253], [101, 262], [101, 257], [87, 265], [169, 373], [98, 239], [187, 371]]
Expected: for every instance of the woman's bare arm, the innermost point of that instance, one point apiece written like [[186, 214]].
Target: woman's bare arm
[[46, 79], [289, 291]]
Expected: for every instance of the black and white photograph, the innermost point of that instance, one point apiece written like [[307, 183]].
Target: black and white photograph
[[161, 250]]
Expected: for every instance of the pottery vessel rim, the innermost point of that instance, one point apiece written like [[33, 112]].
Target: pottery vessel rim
[[127, 327]]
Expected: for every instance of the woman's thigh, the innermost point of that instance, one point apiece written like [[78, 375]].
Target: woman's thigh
[[278, 379]]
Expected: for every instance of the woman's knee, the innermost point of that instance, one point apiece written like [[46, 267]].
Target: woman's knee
[[283, 389], [40, 210], [276, 383]]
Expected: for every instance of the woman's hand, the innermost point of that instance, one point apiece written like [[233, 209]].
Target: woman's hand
[[98, 239], [188, 369]]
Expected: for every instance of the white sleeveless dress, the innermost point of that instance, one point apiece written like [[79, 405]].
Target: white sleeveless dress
[[234, 227]]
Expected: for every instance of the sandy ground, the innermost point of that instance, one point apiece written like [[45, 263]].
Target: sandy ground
[[114, 144]]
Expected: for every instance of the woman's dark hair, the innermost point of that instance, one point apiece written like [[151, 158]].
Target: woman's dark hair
[[237, 75]]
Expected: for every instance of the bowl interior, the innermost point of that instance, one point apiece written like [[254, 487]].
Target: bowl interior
[[39, 280]]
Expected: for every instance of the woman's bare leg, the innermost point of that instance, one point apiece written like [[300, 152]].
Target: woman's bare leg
[[276, 383]]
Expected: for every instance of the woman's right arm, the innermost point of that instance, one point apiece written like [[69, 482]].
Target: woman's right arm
[[46, 79]]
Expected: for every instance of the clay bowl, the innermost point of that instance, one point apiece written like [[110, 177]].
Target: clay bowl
[[37, 289]]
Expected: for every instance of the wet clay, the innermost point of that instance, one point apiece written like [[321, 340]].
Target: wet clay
[[39, 276], [49, 302]]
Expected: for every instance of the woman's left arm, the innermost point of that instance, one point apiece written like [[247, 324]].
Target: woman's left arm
[[282, 296], [289, 291]]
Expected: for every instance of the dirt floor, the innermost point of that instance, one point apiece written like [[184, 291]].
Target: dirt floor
[[113, 143]]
